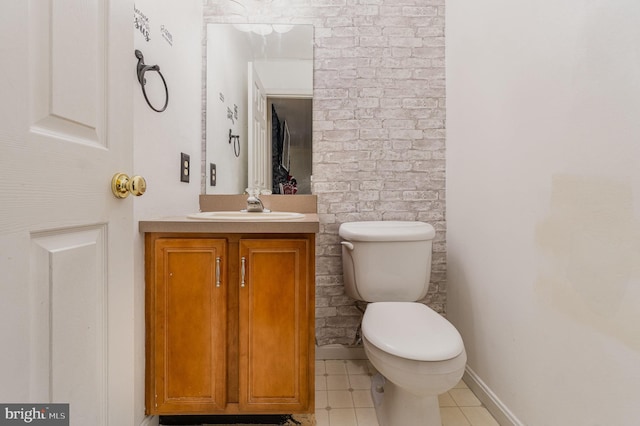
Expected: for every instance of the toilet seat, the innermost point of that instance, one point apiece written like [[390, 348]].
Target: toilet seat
[[411, 330]]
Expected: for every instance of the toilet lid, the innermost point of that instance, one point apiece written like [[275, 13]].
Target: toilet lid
[[411, 330]]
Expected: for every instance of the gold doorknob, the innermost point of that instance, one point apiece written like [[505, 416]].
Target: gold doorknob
[[122, 185]]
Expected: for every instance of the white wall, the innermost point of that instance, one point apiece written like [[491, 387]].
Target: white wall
[[161, 137], [228, 53], [286, 77], [543, 214]]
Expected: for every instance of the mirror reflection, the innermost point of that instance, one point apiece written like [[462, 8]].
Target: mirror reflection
[[259, 90]]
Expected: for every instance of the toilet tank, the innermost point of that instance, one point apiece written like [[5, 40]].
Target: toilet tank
[[386, 261]]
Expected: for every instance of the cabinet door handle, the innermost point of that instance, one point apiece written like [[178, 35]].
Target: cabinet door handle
[[218, 271], [242, 272]]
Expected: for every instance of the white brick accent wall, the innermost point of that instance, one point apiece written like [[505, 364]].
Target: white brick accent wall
[[378, 129]]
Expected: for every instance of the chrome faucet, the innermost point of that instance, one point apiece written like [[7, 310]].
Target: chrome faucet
[[254, 204]]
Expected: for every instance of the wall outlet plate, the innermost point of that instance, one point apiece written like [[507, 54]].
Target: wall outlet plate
[[212, 174], [185, 163]]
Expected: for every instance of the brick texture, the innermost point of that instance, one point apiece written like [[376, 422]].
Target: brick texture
[[378, 129]]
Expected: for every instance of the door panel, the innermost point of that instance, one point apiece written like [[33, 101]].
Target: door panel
[[68, 289], [274, 335], [67, 70], [190, 323]]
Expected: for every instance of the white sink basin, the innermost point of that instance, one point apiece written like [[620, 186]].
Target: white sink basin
[[243, 216]]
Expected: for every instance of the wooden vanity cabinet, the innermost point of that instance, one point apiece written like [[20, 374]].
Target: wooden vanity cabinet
[[230, 323]]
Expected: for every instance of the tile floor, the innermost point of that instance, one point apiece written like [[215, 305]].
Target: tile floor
[[343, 398]]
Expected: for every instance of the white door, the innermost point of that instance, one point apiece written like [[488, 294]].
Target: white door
[[66, 274], [259, 151]]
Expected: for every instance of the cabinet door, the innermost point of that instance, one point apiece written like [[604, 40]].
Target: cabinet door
[[189, 326], [274, 325]]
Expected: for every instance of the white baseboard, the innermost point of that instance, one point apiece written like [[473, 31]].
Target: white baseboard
[[150, 421], [498, 410], [340, 352]]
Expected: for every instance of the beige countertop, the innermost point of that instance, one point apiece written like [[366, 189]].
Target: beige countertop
[[308, 224], [305, 204]]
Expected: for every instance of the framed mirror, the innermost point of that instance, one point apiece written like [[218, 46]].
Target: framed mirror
[[259, 90]]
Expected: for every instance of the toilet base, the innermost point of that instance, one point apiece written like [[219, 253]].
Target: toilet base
[[396, 406]]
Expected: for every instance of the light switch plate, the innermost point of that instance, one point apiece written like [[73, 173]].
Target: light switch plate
[[185, 164]]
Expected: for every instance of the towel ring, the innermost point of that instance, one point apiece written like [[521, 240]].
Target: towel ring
[[236, 143], [141, 69]]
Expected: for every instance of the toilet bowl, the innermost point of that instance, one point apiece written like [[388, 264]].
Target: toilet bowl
[[417, 352]]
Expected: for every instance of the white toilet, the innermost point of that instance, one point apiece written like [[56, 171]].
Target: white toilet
[[418, 353]]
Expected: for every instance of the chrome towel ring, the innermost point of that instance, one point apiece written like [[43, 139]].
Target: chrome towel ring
[[141, 69]]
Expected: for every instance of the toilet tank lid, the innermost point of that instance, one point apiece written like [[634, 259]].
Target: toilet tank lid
[[389, 230], [411, 330]]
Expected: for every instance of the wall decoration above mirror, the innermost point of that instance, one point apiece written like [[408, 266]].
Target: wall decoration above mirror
[[267, 79]]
